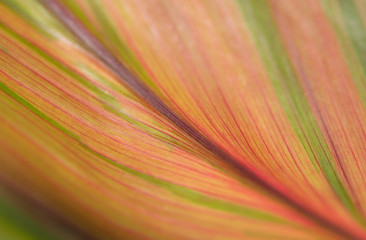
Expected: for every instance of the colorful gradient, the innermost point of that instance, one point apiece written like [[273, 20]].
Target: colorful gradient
[[171, 119]]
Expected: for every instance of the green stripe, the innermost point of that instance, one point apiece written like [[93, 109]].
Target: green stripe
[[38, 17], [351, 31], [183, 192], [28, 105], [261, 23], [111, 38], [59, 65], [109, 102]]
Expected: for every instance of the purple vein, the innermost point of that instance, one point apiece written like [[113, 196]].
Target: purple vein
[[144, 93]]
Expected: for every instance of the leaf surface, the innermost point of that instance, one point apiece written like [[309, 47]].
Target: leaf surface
[[269, 94]]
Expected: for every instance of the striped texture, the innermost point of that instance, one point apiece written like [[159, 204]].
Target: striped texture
[[277, 85]]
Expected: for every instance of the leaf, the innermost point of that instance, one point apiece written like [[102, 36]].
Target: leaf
[[185, 120]]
